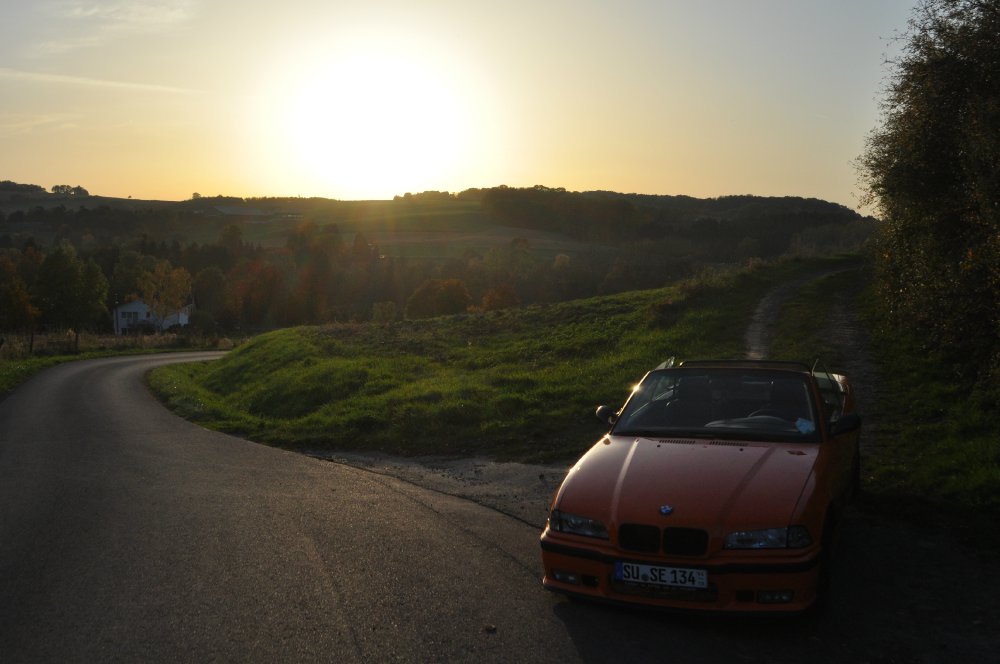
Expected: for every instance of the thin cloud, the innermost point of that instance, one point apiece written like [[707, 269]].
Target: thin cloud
[[93, 23], [60, 79], [58, 47], [131, 16], [19, 124]]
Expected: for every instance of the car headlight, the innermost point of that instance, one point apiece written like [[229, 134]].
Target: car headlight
[[792, 537], [564, 522]]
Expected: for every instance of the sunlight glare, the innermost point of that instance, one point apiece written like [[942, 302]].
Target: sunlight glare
[[374, 124]]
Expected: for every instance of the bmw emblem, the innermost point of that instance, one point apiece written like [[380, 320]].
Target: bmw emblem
[[666, 510]]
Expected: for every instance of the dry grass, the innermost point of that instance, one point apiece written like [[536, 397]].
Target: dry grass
[[21, 346]]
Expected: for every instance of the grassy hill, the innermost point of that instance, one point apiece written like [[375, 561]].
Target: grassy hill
[[513, 384]]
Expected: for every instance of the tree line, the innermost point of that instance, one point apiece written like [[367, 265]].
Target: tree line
[[321, 274], [932, 168], [316, 277]]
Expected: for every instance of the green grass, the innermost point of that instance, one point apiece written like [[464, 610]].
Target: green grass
[[938, 442], [515, 384], [801, 331]]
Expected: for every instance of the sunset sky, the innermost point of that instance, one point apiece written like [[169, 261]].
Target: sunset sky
[[356, 100]]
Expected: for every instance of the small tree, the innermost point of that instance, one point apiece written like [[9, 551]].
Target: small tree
[[438, 297], [165, 290], [501, 297], [383, 312], [66, 190]]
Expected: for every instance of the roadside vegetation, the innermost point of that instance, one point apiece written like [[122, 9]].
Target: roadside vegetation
[[22, 356]]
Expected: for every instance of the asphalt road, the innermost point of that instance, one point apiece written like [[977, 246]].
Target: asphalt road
[[128, 534]]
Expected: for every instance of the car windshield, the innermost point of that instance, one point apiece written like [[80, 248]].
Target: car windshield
[[721, 403]]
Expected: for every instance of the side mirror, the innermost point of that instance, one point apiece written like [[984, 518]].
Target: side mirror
[[846, 424], [607, 414]]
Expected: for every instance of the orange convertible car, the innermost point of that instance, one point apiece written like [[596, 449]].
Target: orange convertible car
[[718, 488]]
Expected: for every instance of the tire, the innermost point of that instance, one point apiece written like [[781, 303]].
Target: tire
[[856, 478], [824, 577]]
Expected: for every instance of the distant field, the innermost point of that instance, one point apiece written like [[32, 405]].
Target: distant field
[[454, 242], [432, 231]]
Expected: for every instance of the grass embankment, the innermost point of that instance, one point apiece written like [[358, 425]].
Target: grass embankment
[[515, 384]]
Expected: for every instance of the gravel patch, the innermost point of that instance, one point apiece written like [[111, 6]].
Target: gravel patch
[[519, 490]]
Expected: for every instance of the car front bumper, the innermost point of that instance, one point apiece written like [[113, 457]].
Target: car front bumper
[[741, 583]]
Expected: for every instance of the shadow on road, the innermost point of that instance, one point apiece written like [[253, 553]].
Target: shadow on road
[[886, 608]]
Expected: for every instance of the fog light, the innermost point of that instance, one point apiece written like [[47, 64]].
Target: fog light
[[775, 596], [566, 577]]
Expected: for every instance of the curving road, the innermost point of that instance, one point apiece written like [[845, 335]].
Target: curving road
[[128, 534]]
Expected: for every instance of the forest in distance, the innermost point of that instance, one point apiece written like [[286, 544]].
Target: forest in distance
[[67, 258]]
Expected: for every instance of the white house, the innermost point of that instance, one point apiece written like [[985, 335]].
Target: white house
[[135, 315]]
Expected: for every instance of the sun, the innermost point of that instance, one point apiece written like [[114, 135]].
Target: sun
[[369, 123]]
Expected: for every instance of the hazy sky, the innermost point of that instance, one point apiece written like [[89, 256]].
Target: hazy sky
[[369, 99]]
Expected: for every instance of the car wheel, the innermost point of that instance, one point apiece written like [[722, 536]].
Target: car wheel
[[824, 578], [856, 478]]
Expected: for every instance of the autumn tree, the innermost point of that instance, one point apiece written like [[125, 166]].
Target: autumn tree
[[932, 169], [16, 309], [128, 270], [165, 289], [231, 239], [71, 293], [438, 297], [208, 289], [254, 293], [500, 297], [384, 312]]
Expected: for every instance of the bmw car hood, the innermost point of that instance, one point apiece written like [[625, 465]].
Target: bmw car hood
[[716, 485]]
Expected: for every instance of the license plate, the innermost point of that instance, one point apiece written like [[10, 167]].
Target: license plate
[[654, 575]]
